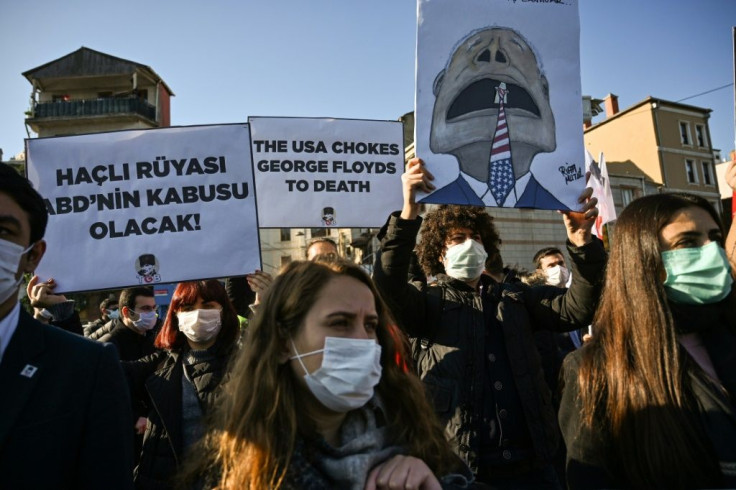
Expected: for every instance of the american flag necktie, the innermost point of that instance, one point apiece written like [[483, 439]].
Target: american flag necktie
[[501, 173]]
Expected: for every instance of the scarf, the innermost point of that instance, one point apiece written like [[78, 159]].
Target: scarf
[[364, 443]]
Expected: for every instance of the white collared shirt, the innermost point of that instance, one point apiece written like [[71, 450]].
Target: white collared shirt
[[484, 194], [7, 328]]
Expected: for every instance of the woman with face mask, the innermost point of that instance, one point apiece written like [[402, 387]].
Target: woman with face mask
[[649, 401], [316, 399], [181, 383]]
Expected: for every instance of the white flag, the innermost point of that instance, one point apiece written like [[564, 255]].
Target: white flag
[[601, 185]]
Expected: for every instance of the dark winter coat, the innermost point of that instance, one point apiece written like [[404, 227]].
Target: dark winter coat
[[158, 380], [450, 324], [591, 453]]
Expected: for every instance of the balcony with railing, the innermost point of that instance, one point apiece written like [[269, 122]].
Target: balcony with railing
[[109, 106]]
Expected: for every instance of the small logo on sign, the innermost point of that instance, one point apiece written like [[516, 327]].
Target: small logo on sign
[[29, 371], [147, 267], [328, 216]]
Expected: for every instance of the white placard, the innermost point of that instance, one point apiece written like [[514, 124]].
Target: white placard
[[319, 172], [498, 102], [146, 206]]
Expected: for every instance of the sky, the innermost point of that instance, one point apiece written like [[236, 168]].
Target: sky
[[226, 60]]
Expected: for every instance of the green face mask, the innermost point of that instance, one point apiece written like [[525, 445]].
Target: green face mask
[[697, 276]]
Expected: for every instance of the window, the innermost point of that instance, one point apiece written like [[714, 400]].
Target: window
[[692, 174], [285, 234], [285, 259], [700, 135], [685, 133], [707, 174], [318, 232], [627, 195]]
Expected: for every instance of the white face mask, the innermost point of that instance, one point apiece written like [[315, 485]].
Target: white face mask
[[146, 320], [557, 276], [10, 256], [200, 325], [351, 369], [465, 261]]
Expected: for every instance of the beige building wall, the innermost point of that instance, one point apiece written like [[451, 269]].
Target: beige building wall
[[628, 135], [669, 142], [524, 231], [278, 249]]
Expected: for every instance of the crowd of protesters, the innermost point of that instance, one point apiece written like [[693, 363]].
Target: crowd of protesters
[[445, 370]]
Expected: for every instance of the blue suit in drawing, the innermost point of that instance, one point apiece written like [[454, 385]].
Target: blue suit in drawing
[[459, 192]]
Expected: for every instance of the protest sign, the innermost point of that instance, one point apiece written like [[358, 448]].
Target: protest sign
[[498, 102], [319, 172], [143, 207], [599, 181]]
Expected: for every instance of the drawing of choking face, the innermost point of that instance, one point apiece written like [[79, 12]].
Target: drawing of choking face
[[465, 113]]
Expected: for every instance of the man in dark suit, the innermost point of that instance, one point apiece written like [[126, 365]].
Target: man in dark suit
[[65, 411]]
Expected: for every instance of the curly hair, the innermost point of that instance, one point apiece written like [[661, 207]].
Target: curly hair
[[438, 224]]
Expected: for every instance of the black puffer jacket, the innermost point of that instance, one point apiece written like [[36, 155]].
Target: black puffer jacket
[[449, 321], [157, 379]]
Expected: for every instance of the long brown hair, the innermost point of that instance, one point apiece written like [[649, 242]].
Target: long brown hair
[[256, 425], [631, 376]]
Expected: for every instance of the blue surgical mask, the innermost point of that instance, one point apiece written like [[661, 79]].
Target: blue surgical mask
[[113, 314], [697, 276], [146, 321]]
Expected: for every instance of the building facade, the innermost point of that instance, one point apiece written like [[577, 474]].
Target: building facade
[[92, 92], [655, 146]]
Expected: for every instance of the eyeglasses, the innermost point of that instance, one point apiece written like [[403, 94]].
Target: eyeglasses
[[147, 309]]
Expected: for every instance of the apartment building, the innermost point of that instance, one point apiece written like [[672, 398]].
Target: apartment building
[[87, 91], [655, 145]]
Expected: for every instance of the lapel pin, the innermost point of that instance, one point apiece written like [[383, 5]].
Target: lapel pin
[[29, 371]]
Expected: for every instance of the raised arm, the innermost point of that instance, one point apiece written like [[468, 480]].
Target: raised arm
[[415, 177], [398, 238], [555, 309], [731, 237]]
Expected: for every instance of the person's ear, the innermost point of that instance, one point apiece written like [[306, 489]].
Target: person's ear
[[34, 256], [284, 353], [125, 311]]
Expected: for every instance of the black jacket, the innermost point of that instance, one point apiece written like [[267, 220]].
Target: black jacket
[[451, 325], [157, 379], [592, 460], [65, 413], [131, 346], [102, 332]]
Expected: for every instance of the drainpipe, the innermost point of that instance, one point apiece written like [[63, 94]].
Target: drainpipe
[[655, 107]]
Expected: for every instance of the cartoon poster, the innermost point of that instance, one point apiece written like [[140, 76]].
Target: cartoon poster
[[144, 207], [322, 172], [498, 102]]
